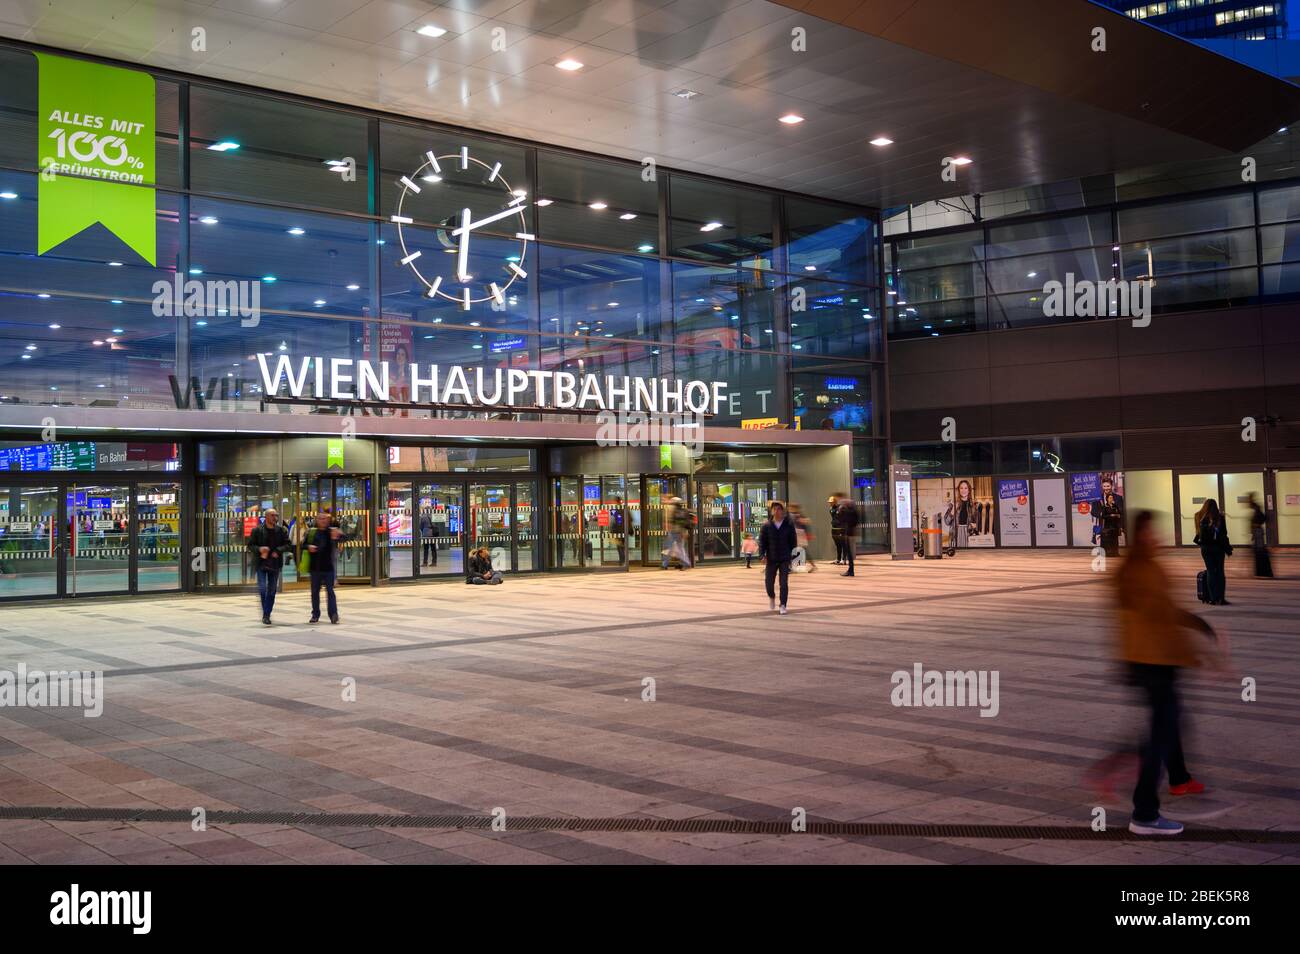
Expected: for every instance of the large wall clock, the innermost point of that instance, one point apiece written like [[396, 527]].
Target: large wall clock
[[457, 284]]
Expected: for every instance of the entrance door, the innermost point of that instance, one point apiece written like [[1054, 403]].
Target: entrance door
[[717, 521], [395, 532], [648, 522], [348, 500], [490, 523], [440, 529], [100, 533], [1237, 491], [158, 536], [752, 499], [30, 545]]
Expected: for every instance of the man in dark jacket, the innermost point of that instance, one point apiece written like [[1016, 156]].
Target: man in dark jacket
[[848, 512], [837, 531], [322, 543], [269, 542], [776, 545]]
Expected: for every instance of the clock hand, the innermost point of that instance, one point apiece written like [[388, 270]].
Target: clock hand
[[462, 259], [511, 210]]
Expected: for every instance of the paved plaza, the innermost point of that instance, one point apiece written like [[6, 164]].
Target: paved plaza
[[527, 699]]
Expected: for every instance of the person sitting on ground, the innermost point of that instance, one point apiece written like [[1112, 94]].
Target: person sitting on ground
[[480, 568]]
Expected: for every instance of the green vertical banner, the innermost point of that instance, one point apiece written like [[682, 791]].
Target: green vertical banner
[[95, 150], [334, 453], [665, 456]]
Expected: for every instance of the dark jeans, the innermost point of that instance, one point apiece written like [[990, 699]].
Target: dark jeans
[[1263, 563], [429, 553], [267, 580], [749, 559], [849, 547], [769, 578], [1110, 541], [318, 579], [839, 549], [1164, 747], [1216, 584], [495, 578]]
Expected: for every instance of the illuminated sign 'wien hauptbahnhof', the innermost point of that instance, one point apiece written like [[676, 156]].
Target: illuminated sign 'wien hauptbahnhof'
[[349, 379]]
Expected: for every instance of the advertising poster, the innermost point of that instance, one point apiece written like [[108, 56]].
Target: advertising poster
[[1089, 495], [1049, 512], [1014, 513], [970, 515]]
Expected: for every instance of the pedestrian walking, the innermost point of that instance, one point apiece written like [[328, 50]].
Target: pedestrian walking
[[1156, 640], [319, 560], [1259, 538], [749, 547], [849, 520], [1212, 538], [803, 535], [677, 522], [269, 542], [776, 544]]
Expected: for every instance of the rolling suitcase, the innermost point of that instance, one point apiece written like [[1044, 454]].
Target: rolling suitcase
[[1202, 590]]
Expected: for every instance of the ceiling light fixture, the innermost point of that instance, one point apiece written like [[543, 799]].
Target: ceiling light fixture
[[598, 206], [628, 216], [710, 226], [226, 145], [209, 220], [962, 161], [882, 141], [430, 30], [791, 119], [544, 202], [569, 65]]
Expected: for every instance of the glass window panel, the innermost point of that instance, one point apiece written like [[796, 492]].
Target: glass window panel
[[939, 284], [730, 308], [926, 459], [836, 396], [599, 294], [1281, 204], [1013, 457], [446, 193], [460, 459], [1191, 215], [928, 251], [836, 319], [937, 318], [1223, 287], [1091, 453], [591, 202], [1279, 243], [974, 458], [830, 241], [1049, 235], [283, 150], [1280, 279], [753, 379], [1032, 272], [1191, 253], [725, 225]]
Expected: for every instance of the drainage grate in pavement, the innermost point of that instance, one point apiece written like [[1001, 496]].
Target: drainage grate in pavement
[[726, 826]]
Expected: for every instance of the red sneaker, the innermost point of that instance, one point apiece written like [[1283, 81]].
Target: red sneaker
[[1190, 787]]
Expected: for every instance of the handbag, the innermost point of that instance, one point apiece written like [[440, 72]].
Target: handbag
[[304, 556]]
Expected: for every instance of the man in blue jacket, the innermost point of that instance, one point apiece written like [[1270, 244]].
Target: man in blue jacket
[[776, 543]]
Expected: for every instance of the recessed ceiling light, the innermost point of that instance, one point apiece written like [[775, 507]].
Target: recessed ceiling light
[[116, 301], [119, 331], [962, 161], [612, 304], [354, 288], [882, 141], [544, 202], [1032, 275], [268, 279], [627, 216], [42, 294], [810, 268], [318, 302], [196, 270], [97, 342], [710, 226], [431, 178], [296, 231], [8, 195], [115, 264], [569, 65], [791, 119], [226, 145], [209, 220], [685, 93], [645, 248], [430, 30], [598, 206]]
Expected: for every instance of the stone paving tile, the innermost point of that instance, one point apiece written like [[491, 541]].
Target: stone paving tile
[[529, 699]]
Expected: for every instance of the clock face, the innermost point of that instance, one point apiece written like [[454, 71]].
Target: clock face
[[498, 205]]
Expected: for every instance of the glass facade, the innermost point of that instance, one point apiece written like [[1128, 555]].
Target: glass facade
[[1203, 251], [626, 271]]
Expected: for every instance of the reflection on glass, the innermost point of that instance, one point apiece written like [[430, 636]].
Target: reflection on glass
[[158, 536], [29, 540]]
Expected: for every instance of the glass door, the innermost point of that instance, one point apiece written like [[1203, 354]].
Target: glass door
[[752, 501], [1193, 491], [567, 532], [717, 521], [527, 523], [29, 541], [229, 509], [395, 533], [656, 492], [158, 536], [441, 529], [99, 549], [1237, 492], [489, 522], [351, 508]]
